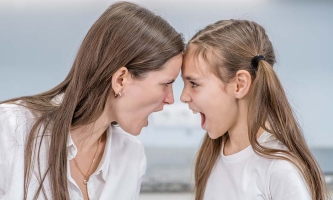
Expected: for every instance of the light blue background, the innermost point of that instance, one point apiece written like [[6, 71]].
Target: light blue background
[[39, 40]]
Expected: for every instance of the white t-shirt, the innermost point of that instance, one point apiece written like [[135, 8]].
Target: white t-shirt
[[118, 175], [248, 176]]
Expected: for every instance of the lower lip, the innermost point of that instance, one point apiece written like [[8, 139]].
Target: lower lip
[[147, 123], [203, 120]]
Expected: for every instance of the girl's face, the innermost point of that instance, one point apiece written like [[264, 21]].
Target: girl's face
[[142, 97], [207, 95]]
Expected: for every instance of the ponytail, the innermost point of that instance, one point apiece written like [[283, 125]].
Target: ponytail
[[268, 102]]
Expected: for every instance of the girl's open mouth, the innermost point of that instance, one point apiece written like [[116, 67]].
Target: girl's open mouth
[[203, 119]]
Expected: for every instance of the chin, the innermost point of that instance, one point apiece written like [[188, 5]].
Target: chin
[[134, 132], [213, 136]]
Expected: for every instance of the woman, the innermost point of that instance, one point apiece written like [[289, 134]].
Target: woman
[[60, 145], [254, 148]]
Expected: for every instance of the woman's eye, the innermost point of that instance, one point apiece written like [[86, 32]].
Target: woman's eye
[[193, 84], [167, 84]]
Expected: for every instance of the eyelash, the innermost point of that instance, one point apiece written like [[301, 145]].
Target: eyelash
[[167, 84], [194, 84]]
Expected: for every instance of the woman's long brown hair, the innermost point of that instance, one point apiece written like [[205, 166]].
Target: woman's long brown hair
[[229, 46], [125, 35]]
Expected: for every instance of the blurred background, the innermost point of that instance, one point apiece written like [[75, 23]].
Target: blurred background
[[39, 40]]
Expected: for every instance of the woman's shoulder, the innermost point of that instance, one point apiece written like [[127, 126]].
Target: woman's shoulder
[[15, 110], [15, 118]]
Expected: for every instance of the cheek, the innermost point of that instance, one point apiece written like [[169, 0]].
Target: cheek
[[226, 113], [225, 108], [199, 98], [157, 99], [151, 100]]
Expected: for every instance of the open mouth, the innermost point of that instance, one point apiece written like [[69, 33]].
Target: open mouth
[[203, 119]]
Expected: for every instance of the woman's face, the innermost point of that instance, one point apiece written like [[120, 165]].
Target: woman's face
[[142, 97], [207, 95]]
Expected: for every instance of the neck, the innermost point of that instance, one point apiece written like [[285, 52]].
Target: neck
[[238, 138], [238, 133], [87, 136]]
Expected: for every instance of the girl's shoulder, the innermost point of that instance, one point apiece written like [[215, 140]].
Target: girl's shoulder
[[269, 141], [286, 181]]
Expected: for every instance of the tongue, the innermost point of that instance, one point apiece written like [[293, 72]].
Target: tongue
[[203, 118]]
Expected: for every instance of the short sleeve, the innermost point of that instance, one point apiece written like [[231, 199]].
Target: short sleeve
[[286, 182]]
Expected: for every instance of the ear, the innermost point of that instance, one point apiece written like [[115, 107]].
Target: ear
[[243, 83], [119, 79]]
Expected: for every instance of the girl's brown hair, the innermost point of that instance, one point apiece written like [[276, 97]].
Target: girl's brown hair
[[125, 35], [231, 45]]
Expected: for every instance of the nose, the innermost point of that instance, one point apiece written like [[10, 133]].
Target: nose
[[185, 97], [169, 96]]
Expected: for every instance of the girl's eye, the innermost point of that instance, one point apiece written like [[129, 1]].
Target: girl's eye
[[193, 84]]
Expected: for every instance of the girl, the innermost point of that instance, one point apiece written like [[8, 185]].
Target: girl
[[60, 145], [254, 148]]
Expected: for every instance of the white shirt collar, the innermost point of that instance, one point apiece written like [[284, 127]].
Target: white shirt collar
[[103, 166], [71, 148]]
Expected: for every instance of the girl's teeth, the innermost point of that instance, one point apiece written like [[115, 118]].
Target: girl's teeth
[[194, 112]]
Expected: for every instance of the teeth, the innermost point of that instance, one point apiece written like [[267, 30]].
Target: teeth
[[194, 112]]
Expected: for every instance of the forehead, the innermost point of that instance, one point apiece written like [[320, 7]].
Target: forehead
[[170, 69], [194, 64]]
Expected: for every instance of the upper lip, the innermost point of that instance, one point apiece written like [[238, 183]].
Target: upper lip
[[194, 109]]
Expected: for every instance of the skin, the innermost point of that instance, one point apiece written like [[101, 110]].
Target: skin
[[222, 106], [140, 98], [149, 95]]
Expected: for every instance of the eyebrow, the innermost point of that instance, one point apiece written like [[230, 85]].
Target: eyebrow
[[189, 78]]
